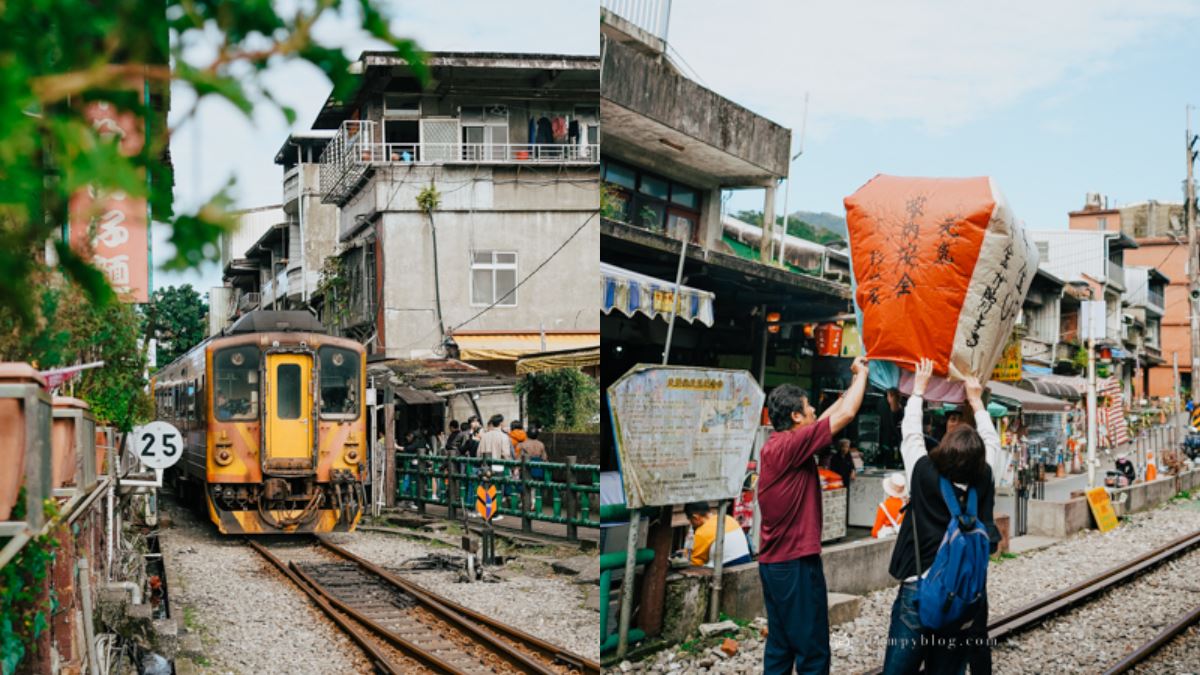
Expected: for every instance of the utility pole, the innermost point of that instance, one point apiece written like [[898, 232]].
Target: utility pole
[[1091, 391], [1193, 270]]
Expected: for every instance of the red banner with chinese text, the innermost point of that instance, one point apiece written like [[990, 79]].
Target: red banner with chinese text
[[110, 229]]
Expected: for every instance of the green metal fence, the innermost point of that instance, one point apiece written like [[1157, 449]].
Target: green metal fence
[[566, 492]]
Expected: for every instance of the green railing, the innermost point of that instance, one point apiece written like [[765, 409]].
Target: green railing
[[567, 493]]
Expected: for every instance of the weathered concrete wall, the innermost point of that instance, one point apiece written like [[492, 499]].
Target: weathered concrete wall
[[686, 604], [1058, 519], [654, 89], [320, 226], [859, 566], [531, 213], [1142, 496]]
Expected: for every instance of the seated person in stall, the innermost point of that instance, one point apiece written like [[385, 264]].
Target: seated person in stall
[[889, 515], [737, 548]]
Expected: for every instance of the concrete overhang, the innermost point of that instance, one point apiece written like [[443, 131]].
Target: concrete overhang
[[648, 107], [767, 278], [549, 77]]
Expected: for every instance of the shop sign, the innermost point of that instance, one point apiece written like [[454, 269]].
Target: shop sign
[[1009, 367], [683, 434], [1102, 509]]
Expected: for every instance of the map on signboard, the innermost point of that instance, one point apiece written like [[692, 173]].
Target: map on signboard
[[683, 434]]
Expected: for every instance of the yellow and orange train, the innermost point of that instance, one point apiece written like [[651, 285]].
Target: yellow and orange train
[[273, 417]]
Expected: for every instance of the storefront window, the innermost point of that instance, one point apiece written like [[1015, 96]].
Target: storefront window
[[235, 395], [339, 383]]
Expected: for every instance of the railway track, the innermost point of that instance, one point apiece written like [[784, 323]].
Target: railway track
[[1156, 643], [1038, 611], [403, 628]]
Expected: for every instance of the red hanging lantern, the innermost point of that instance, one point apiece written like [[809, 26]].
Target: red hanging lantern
[[829, 339]]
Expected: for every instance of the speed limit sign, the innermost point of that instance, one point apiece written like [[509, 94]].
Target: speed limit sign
[[158, 445]]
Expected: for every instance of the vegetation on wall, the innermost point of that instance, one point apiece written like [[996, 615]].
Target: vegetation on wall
[[25, 606], [334, 289], [561, 400]]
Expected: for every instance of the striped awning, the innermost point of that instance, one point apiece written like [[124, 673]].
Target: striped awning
[[567, 358], [631, 293]]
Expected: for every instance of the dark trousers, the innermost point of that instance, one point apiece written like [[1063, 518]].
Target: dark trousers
[[909, 644], [797, 616]]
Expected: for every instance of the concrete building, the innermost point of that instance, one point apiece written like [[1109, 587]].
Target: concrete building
[[251, 258], [312, 225], [1040, 321], [505, 148], [1144, 310], [1158, 229], [1096, 258]]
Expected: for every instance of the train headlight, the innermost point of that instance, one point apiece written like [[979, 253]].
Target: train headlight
[[223, 457], [351, 455]]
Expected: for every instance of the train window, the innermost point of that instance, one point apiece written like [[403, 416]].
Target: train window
[[235, 386], [287, 383], [340, 383]]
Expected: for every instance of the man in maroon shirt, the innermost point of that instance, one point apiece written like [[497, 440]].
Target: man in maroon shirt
[[789, 498]]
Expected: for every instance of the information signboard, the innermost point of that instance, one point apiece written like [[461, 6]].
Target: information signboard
[[1106, 518], [682, 433]]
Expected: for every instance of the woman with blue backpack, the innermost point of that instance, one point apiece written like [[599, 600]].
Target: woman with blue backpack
[[939, 618]]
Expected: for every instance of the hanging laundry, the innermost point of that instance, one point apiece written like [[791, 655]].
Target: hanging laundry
[[532, 131], [545, 133], [559, 125], [573, 131]]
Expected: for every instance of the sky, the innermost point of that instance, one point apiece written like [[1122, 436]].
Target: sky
[[218, 143], [1051, 99]]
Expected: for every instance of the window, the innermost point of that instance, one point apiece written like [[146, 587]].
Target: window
[[236, 388], [339, 383], [651, 201], [1043, 248], [620, 175], [287, 387], [493, 278], [1102, 223]]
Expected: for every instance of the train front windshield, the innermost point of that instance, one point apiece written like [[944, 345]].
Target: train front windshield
[[235, 396], [339, 383]]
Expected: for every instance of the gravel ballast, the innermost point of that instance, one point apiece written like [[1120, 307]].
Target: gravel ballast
[[249, 617], [530, 597], [1084, 640]]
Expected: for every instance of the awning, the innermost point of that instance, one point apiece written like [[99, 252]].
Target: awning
[[417, 397], [512, 346], [1066, 387], [567, 358], [1028, 401], [630, 293]]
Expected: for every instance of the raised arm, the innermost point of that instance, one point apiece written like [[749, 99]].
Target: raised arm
[[842, 412], [912, 435], [983, 423]]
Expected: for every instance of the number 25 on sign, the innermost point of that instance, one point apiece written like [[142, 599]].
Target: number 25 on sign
[[158, 445]]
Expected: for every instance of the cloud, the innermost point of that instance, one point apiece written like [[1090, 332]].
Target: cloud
[[220, 143], [939, 63]]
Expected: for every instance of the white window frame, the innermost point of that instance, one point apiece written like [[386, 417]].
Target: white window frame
[[494, 266]]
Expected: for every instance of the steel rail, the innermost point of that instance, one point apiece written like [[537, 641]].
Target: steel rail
[[1049, 605], [1155, 643], [430, 659], [471, 620], [1042, 609], [379, 659]]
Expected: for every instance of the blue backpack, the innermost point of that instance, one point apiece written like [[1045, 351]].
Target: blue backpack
[[958, 577]]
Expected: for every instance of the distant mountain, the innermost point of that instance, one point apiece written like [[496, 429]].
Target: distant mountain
[[828, 221]]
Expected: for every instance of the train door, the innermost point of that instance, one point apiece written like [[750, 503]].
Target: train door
[[289, 413]]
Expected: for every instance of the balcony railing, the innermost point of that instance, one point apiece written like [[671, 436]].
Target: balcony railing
[[652, 16], [352, 152], [1155, 299], [1115, 273]]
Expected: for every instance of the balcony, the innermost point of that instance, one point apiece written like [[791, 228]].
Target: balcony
[[1154, 300], [291, 189], [295, 282], [1115, 273], [352, 154], [248, 302]]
